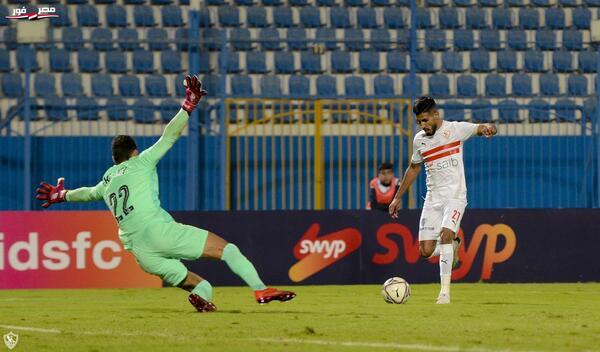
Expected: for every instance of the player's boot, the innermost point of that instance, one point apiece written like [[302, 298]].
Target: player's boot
[[455, 246], [443, 298], [201, 304], [272, 294]]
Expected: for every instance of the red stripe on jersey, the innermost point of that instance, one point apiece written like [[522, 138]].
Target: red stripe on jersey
[[441, 155], [440, 148]]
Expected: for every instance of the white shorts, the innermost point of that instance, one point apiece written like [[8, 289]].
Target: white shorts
[[435, 216]]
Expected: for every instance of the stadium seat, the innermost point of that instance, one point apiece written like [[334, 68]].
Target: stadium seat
[[416, 86], [463, 3], [403, 39], [168, 108], [555, 18], [393, 18], [327, 36], [501, 18], [516, 39], [488, 3], [87, 109], [326, 86], [134, 2], [241, 86], [539, 111], [439, 85], [542, 3], [549, 84], [383, 3], [296, 39], [5, 65], [577, 85], [475, 18], [508, 111], [562, 61], [143, 61], [211, 39], [326, 3], [299, 86], [366, 17], [232, 61], [171, 16], [156, 86], [44, 85], [355, 3], [102, 39], [490, 39], [572, 40], [88, 60], [354, 39], [298, 2], [60, 60], [495, 85], [3, 13], [545, 40], [397, 62], [480, 61], [116, 16], [116, 109], [282, 17], [157, 39], [424, 62], [129, 86], [380, 40], [436, 3], [256, 17], [340, 62], [463, 40], [102, 85], [435, 39], [128, 39], [270, 86], [310, 62], [204, 62], [466, 86], [170, 61], [216, 2], [506, 61], [481, 111], [63, 19], [529, 19], [454, 111], [448, 18], [12, 85], [269, 39], [56, 109], [256, 62], [339, 17], [240, 39], [211, 83], [87, 16], [229, 16], [355, 87], [204, 18], [383, 86], [143, 16], [566, 110], [592, 3], [582, 18], [310, 17], [72, 38], [423, 18], [589, 109], [521, 85], [71, 85], [368, 62], [534, 61], [284, 62], [452, 62], [587, 61]]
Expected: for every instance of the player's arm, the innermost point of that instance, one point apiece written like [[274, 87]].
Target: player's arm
[[174, 128], [58, 194], [487, 129], [410, 175]]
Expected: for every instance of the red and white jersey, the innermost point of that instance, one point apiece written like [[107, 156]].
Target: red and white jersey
[[442, 154]]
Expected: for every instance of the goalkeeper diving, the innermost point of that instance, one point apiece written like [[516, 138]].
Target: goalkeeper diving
[[130, 190]]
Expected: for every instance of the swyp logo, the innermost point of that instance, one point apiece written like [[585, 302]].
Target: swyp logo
[[10, 340], [41, 13], [314, 253]]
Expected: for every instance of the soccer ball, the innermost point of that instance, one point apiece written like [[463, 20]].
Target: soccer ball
[[395, 290]]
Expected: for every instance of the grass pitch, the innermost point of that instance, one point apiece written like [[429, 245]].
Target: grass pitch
[[482, 317]]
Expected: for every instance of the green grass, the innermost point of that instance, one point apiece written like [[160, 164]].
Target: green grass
[[485, 317]]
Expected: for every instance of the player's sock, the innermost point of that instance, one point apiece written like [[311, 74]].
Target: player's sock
[[446, 257], [204, 290], [240, 265], [436, 251]]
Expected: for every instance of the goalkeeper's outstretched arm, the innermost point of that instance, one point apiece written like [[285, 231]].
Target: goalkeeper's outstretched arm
[[58, 194]]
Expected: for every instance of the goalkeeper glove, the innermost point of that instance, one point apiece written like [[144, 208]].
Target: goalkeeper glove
[[193, 93], [52, 194]]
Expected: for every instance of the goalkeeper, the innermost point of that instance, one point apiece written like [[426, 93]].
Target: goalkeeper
[[130, 190]]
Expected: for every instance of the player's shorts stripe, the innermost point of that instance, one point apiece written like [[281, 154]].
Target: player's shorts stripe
[[440, 148], [441, 155]]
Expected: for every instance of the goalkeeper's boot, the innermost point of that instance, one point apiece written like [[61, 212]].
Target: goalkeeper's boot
[[201, 304], [272, 294], [443, 298], [455, 247]]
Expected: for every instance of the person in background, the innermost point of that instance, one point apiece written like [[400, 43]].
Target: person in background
[[382, 188]]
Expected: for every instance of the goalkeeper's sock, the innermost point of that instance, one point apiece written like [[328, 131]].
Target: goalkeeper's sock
[[240, 265], [436, 251], [204, 290], [446, 257]]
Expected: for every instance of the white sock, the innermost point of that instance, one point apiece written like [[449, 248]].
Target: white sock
[[446, 257], [436, 251]]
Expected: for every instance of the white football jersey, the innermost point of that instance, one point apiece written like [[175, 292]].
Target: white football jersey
[[442, 155]]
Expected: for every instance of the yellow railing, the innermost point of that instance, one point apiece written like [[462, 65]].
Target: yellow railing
[[311, 154]]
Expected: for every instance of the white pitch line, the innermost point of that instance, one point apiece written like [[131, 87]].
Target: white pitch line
[[27, 328]]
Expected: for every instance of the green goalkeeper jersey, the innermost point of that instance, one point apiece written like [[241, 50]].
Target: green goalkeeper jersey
[[130, 189]]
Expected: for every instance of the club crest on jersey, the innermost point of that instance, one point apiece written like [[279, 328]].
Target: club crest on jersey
[[446, 134]]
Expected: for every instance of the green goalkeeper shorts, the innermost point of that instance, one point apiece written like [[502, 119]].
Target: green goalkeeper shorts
[[160, 246]]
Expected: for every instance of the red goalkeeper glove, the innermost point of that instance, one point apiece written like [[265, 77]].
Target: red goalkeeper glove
[[52, 194], [193, 93]]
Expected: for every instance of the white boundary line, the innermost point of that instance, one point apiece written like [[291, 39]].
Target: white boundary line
[[27, 328]]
